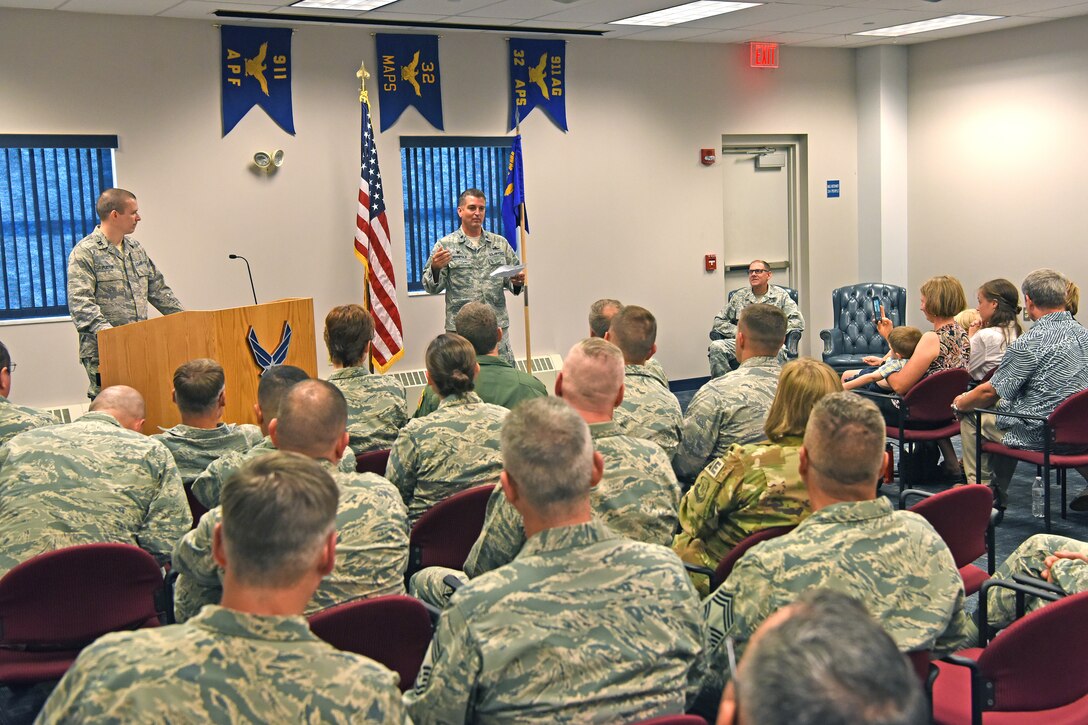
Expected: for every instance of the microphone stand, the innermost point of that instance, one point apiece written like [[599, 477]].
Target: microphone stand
[[249, 272]]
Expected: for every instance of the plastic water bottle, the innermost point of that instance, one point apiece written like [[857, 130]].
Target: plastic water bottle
[[1037, 498]]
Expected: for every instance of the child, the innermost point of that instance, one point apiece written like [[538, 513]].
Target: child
[[902, 341]]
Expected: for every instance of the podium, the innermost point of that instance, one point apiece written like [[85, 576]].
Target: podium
[[145, 354]]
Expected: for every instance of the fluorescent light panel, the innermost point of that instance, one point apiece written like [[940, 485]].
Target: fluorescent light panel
[[684, 13], [924, 26], [361, 5]]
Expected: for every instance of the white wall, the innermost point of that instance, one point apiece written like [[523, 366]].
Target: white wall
[[620, 205], [997, 184]]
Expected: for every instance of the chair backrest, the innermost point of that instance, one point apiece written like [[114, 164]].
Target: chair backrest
[[725, 566], [673, 720], [930, 400], [789, 290], [372, 462], [960, 516], [69, 597], [1037, 662], [1069, 420], [394, 630], [444, 535], [853, 307], [196, 509]]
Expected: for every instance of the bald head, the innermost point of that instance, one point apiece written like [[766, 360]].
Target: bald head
[[592, 377], [312, 421], [123, 403], [601, 313]]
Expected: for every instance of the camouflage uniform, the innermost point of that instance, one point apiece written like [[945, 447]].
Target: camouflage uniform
[[1029, 558], [110, 286], [224, 666], [207, 485], [750, 488], [194, 449], [649, 410], [653, 367], [467, 278], [454, 448], [498, 383], [892, 561], [723, 333], [582, 626], [377, 408], [15, 419], [371, 549], [727, 410], [88, 482]]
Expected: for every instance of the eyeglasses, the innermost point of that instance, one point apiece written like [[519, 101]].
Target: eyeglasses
[[11, 367], [758, 271]]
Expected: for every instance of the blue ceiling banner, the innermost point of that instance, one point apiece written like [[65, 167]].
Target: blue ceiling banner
[[409, 74], [538, 77], [256, 65]]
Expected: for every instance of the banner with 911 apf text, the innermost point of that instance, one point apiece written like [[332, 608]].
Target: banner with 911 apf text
[[538, 77]]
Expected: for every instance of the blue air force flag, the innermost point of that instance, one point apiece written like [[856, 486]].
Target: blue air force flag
[[409, 77], [514, 195], [538, 77], [256, 72]]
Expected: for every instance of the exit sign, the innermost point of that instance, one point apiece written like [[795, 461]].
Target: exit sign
[[763, 55]]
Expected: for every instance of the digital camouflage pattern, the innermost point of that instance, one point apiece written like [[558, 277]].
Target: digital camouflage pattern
[[207, 486], [377, 408], [727, 410], [194, 449], [583, 626], [653, 367], [15, 419], [891, 561], [749, 489], [649, 410], [467, 278], [1071, 575], [498, 383], [371, 549], [454, 448], [224, 666], [723, 333], [88, 482]]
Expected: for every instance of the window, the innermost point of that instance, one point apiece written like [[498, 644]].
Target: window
[[48, 188], [435, 169]]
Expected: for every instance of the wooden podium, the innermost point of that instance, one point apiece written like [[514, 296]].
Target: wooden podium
[[145, 354]]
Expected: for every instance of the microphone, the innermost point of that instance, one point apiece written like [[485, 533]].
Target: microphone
[[249, 272]]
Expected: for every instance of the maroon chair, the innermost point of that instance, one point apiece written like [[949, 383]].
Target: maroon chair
[[963, 517], [1032, 673], [673, 720], [394, 630], [372, 462], [55, 604], [196, 508], [1066, 427], [445, 533], [725, 566]]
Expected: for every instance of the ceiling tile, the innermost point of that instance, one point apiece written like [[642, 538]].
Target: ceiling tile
[[204, 9], [119, 7]]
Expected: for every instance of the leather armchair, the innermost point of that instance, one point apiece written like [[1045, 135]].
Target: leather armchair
[[854, 335]]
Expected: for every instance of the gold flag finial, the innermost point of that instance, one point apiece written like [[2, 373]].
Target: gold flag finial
[[362, 74]]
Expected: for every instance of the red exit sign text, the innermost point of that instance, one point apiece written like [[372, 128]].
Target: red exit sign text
[[763, 55]]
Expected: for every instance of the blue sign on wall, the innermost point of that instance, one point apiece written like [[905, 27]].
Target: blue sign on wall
[[832, 188]]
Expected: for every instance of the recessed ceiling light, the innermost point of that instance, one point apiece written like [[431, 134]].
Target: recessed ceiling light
[[360, 5], [684, 13], [924, 26]]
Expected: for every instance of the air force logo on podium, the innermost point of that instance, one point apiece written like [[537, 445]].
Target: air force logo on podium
[[410, 76], [538, 77], [266, 359], [256, 71]]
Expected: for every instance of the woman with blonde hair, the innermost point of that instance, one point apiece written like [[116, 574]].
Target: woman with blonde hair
[[755, 486]]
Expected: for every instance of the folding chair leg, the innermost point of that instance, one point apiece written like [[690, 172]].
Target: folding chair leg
[[1062, 472]]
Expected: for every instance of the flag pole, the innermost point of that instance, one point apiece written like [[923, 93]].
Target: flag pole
[[362, 74], [525, 263]]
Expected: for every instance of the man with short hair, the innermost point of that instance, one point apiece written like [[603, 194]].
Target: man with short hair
[[1040, 369], [111, 279], [253, 657], [498, 382], [96, 480], [583, 624], [372, 522], [854, 542], [601, 313], [202, 436], [461, 264], [823, 660], [649, 409], [723, 334], [271, 390], [15, 419], [731, 409]]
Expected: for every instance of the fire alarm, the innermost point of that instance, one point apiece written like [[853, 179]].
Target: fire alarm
[[707, 156], [711, 262]]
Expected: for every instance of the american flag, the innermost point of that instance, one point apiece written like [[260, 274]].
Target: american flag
[[373, 250]]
